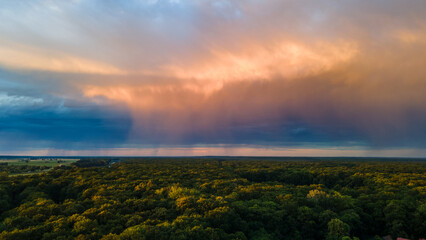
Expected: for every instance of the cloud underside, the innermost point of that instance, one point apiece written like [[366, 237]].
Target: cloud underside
[[215, 74]]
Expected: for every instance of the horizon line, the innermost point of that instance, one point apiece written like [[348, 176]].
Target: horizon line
[[204, 156]]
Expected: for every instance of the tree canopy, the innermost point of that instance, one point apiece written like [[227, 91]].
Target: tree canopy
[[214, 199]]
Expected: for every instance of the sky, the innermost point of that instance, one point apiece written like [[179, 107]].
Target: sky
[[219, 77]]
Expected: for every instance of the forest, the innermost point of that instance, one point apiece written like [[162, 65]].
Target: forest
[[217, 198]]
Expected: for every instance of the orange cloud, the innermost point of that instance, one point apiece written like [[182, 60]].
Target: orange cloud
[[285, 59], [16, 56]]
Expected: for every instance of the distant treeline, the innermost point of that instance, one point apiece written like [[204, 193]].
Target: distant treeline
[[92, 162], [14, 169]]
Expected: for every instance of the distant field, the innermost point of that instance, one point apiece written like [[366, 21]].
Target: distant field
[[25, 166], [39, 162]]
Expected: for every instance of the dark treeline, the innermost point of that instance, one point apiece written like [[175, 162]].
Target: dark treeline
[[217, 199], [15, 169]]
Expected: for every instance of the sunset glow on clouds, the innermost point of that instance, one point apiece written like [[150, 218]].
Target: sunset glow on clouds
[[294, 78]]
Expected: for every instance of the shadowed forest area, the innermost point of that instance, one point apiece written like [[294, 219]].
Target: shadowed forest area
[[217, 198]]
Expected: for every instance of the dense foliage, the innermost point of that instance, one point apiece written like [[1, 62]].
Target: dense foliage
[[15, 169], [214, 199]]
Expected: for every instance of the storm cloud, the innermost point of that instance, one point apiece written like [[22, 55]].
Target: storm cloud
[[264, 76]]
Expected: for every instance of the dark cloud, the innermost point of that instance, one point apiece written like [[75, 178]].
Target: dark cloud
[[75, 128], [32, 118]]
